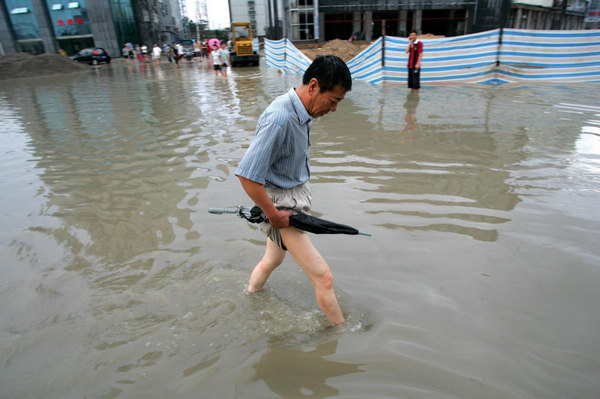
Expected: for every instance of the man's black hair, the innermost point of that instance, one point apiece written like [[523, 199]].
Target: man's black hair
[[330, 71], [414, 31]]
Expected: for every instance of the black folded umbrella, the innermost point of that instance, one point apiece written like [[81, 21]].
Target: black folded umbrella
[[301, 221]]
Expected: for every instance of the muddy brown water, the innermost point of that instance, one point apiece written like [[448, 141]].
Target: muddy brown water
[[480, 280]]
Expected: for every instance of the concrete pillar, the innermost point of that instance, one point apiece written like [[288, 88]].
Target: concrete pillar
[[356, 23], [321, 26], [40, 11], [518, 18], [103, 27], [8, 43], [451, 23], [402, 30], [417, 20], [316, 20], [368, 25], [295, 29]]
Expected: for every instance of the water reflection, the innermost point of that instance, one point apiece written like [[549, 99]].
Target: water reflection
[[307, 375], [411, 104], [449, 177]]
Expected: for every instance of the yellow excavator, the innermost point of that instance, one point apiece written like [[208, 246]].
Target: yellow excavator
[[242, 52]]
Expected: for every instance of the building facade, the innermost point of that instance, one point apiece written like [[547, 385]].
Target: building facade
[[253, 11], [308, 20], [548, 14], [45, 26]]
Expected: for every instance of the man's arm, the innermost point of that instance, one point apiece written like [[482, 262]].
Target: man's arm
[[256, 191], [418, 64]]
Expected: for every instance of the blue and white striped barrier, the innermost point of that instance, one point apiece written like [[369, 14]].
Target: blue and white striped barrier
[[492, 57], [282, 54], [550, 56]]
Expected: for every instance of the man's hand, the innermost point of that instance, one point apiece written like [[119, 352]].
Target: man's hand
[[279, 219], [256, 191]]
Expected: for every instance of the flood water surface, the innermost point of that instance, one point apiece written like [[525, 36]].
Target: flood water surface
[[480, 279]]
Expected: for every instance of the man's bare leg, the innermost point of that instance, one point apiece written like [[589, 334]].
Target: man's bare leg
[[272, 258], [313, 264]]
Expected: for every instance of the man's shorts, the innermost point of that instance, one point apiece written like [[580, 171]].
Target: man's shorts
[[297, 200], [217, 67], [414, 78]]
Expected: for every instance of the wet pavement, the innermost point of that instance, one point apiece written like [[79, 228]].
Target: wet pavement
[[480, 280]]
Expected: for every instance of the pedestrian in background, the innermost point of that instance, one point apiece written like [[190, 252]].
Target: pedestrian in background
[[180, 50], [129, 46], [224, 59], [168, 51], [204, 51], [217, 61], [138, 53], [415, 54], [176, 54], [197, 50], [144, 52], [156, 51]]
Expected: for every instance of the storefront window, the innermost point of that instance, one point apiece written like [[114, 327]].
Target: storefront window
[[22, 19], [69, 18]]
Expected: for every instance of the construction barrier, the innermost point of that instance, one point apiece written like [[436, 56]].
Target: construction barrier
[[549, 56], [492, 57], [282, 54]]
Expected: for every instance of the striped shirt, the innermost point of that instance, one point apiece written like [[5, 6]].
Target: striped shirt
[[278, 155]]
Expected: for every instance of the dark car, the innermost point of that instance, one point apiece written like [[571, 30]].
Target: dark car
[[92, 55]]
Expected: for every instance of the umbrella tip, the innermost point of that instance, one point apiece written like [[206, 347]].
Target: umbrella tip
[[364, 233]]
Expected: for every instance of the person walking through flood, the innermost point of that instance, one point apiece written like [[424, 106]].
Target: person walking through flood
[[138, 53], [275, 171], [217, 61], [156, 51], [224, 54], [125, 53], [415, 54], [144, 49], [176, 54]]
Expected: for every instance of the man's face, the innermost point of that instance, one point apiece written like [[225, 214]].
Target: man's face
[[323, 103], [412, 37]]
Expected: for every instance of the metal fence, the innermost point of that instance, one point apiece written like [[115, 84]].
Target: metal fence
[[492, 57]]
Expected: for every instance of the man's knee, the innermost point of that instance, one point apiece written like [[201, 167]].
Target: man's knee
[[324, 281], [269, 263]]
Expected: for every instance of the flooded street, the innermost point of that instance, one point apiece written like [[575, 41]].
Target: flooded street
[[481, 279]]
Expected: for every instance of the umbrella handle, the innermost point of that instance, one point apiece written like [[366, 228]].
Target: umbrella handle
[[220, 211]]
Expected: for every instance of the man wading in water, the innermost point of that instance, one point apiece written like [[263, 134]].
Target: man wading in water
[[275, 170]]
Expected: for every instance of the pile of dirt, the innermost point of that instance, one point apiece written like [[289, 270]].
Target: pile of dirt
[[21, 65], [430, 36], [342, 48]]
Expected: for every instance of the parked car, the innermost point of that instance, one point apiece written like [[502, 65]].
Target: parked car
[[92, 55]]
